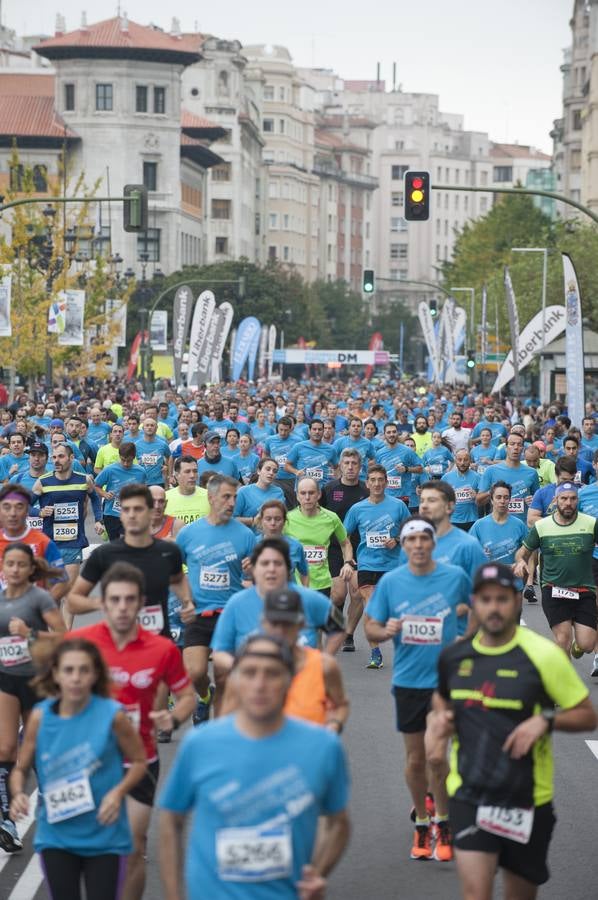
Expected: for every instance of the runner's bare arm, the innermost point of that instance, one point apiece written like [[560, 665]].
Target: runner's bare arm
[[180, 586], [377, 632], [333, 836], [18, 777], [78, 600], [338, 711], [170, 853], [579, 718], [439, 728]]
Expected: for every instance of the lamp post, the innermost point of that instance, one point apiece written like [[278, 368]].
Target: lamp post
[[543, 250]]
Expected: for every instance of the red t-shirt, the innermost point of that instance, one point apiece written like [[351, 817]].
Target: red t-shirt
[[136, 671], [188, 448]]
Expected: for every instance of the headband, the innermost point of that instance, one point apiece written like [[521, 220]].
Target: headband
[[15, 495], [566, 486], [417, 526]]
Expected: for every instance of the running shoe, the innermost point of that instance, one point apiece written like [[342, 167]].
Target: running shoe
[[164, 737], [576, 651], [9, 837], [443, 844], [202, 710], [594, 672], [376, 661], [529, 594], [430, 807], [422, 843], [349, 644]]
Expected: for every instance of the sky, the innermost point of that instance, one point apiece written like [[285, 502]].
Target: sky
[[494, 61]]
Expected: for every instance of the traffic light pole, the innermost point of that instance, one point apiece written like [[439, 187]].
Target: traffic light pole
[[532, 191]]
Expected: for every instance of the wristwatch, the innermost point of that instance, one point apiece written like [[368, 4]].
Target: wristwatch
[[548, 716], [351, 562]]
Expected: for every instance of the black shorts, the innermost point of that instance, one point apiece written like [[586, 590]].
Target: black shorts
[[18, 686], [335, 560], [464, 526], [371, 578], [199, 633], [528, 861], [145, 790], [412, 706], [583, 611]]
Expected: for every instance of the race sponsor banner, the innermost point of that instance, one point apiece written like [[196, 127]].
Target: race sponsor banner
[[181, 319], [513, 318], [225, 315], [459, 326], [261, 357], [245, 337], [134, 355], [72, 336], [484, 331], [202, 314], [57, 314], [115, 311], [530, 342], [447, 337], [321, 357], [376, 343], [159, 330], [5, 301], [573, 344], [427, 324], [252, 355], [271, 348], [203, 373]]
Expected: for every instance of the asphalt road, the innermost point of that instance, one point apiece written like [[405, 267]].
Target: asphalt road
[[377, 862]]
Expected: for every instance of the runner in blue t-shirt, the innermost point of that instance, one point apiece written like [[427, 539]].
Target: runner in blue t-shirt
[[484, 453], [465, 483], [153, 453], [214, 461], [438, 459], [251, 497], [356, 441], [271, 522], [313, 458], [417, 606], [588, 503], [401, 463], [108, 484], [523, 479], [499, 534]]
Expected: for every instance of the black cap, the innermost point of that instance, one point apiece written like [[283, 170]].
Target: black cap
[[283, 605], [494, 573], [38, 447], [279, 650]]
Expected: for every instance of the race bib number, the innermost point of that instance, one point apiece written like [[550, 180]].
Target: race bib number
[[316, 474], [315, 555], [116, 505], [151, 618], [14, 650], [149, 459], [133, 714], [394, 482], [214, 579], [421, 630], [281, 460], [66, 512], [517, 505], [436, 469], [68, 798], [514, 824], [259, 853], [564, 594], [464, 495], [65, 532], [376, 539], [35, 522]]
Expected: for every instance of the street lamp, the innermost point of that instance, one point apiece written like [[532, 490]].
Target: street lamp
[[543, 250], [471, 313]]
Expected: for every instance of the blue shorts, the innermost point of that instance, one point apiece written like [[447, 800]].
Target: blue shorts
[[71, 556]]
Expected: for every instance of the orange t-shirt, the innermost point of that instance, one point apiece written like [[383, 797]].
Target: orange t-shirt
[[306, 698]]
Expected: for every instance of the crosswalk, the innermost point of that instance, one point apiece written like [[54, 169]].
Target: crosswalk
[[20, 873]]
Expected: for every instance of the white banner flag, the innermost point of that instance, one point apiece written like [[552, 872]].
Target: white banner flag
[[204, 308], [530, 342], [261, 356], [116, 316], [513, 318], [427, 324], [573, 345], [271, 348], [74, 313], [5, 300], [225, 314], [159, 330]]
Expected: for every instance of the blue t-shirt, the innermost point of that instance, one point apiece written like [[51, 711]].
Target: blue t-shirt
[[588, 447], [438, 459], [399, 483], [588, 503], [316, 460], [112, 478], [8, 461], [152, 455], [363, 446], [278, 449], [243, 614], [466, 488], [246, 465], [375, 522], [224, 466], [98, 433], [399, 595], [523, 480], [260, 433], [242, 790], [500, 541], [250, 499], [497, 428], [482, 456], [544, 500], [213, 554], [220, 426]]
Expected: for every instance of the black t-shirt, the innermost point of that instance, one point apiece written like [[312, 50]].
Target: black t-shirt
[[159, 563], [339, 498]]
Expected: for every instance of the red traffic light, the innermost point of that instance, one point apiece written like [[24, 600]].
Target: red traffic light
[[417, 183]]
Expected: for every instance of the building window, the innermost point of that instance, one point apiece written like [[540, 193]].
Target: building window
[[272, 252], [484, 204], [281, 126], [100, 245], [221, 172], [223, 86], [483, 178], [221, 245], [282, 94], [150, 175], [273, 220], [149, 243], [159, 100], [16, 177], [285, 254], [503, 173], [69, 97], [285, 222], [394, 251], [576, 120], [268, 92], [269, 125], [403, 251], [398, 172], [141, 98], [221, 209], [104, 97], [40, 179], [575, 160], [397, 198]]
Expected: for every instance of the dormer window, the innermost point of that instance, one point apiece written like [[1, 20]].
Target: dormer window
[[104, 97]]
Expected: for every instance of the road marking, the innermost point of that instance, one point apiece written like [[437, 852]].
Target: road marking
[[23, 827], [593, 745], [28, 884]]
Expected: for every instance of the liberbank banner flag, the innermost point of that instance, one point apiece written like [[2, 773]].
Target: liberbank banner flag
[[181, 319], [224, 318], [530, 342], [247, 334], [573, 344], [513, 318], [204, 307]]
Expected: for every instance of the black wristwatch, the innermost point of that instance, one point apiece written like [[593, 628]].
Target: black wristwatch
[[548, 716], [351, 562]]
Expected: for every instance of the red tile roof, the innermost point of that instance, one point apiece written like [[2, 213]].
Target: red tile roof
[[518, 151], [26, 84], [121, 36], [22, 116], [337, 142], [191, 122], [337, 121]]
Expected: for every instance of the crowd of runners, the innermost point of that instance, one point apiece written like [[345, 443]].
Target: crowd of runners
[[232, 544]]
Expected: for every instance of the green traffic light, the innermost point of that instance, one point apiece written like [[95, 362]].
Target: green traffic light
[[368, 288]]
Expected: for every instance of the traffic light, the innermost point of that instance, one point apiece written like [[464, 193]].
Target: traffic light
[[135, 207], [369, 281], [470, 360], [433, 308], [417, 196]]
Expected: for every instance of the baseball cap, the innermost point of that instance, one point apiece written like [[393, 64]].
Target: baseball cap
[[210, 436], [283, 605], [280, 650], [540, 445], [494, 573], [38, 447], [56, 423], [566, 486]]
